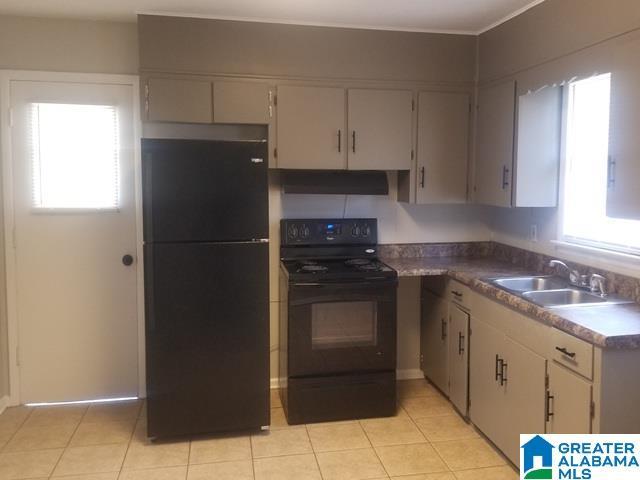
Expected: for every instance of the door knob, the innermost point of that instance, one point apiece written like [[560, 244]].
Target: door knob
[[127, 260]]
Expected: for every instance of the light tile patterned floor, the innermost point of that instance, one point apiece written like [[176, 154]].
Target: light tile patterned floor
[[426, 440]]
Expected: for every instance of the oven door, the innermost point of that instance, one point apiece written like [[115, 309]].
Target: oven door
[[337, 328]]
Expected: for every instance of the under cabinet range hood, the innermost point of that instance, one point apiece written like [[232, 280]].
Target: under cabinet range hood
[[335, 182]]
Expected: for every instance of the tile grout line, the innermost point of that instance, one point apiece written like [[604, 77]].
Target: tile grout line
[[315, 454], [253, 460], [64, 449], [31, 410], [135, 426], [375, 452]]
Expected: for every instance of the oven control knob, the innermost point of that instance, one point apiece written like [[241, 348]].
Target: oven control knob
[[355, 231], [366, 231], [293, 231], [304, 231]]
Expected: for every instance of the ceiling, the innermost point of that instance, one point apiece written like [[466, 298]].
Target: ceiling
[[454, 16]]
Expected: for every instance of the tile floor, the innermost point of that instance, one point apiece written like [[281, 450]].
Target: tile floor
[[426, 440]]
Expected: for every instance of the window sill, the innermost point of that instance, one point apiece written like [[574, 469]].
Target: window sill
[[600, 252]]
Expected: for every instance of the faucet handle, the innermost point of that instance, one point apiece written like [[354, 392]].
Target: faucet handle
[[597, 284]]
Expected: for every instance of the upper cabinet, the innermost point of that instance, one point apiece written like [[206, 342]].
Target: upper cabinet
[[518, 146], [443, 147], [242, 102], [196, 101], [311, 130], [380, 129], [623, 192], [494, 144], [178, 100], [328, 128]]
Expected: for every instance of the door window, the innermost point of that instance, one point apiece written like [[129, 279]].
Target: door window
[[75, 156]]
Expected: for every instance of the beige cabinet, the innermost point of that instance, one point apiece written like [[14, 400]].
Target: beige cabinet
[[242, 102], [458, 357], [178, 100], [443, 147], [568, 402], [524, 375], [487, 398], [380, 129], [623, 192], [434, 340], [494, 144], [311, 128], [507, 383]]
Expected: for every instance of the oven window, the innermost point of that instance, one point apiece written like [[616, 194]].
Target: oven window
[[344, 324]]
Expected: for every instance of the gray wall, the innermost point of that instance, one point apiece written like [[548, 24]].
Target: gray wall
[[192, 45]]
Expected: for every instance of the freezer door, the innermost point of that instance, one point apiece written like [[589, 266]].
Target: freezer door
[[207, 337], [196, 190]]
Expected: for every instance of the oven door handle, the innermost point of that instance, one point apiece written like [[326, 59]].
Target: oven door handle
[[366, 283]]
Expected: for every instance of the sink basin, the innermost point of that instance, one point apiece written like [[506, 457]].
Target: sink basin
[[528, 284], [564, 297]]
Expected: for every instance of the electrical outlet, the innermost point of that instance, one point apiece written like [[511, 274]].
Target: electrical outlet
[[533, 233]]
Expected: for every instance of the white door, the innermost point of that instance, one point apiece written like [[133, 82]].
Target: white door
[[74, 213]]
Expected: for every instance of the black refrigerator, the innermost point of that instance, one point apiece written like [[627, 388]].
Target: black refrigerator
[[206, 254]]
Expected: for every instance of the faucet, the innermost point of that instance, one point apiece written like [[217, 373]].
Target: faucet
[[575, 278], [596, 284]]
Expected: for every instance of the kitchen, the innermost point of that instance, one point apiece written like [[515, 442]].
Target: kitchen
[[471, 130]]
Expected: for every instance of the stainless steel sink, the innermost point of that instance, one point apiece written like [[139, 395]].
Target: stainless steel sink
[[553, 292], [528, 284], [564, 297]]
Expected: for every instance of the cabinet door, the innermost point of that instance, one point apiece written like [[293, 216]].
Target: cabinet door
[[241, 103], [175, 100], [443, 147], [459, 358], [380, 123], [569, 402], [623, 193], [487, 399], [434, 340], [494, 144], [524, 384], [311, 128]]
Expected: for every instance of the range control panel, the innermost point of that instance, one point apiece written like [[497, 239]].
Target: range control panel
[[344, 231]]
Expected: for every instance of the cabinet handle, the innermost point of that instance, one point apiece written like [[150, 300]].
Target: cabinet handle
[[339, 140], [456, 293], [460, 343], [566, 352], [422, 177], [443, 332], [503, 375], [547, 406], [353, 141], [498, 367], [611, 172], [505, 177]]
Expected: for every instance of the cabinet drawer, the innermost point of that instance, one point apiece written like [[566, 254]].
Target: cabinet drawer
[[573, 353], [459, 293]]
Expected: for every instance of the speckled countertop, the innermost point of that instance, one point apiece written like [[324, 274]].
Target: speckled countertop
[[608, 326]]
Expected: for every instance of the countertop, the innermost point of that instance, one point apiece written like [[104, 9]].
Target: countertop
[[607, 326]]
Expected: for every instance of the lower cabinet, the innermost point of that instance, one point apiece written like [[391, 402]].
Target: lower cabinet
[[434, 340], [568, 402], [507, 388], [458, 357]]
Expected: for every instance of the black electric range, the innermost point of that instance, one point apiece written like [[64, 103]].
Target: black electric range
[[337, 322]]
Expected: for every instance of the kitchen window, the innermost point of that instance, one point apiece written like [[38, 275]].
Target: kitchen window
[[75, 157], [584, 219]]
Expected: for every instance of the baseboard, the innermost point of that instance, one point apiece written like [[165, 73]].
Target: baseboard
[[4, 403], [408, 374]]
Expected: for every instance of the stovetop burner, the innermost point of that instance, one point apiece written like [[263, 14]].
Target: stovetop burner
[[312, 268]]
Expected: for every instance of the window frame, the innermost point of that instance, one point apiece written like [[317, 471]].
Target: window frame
[[570, 241]]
